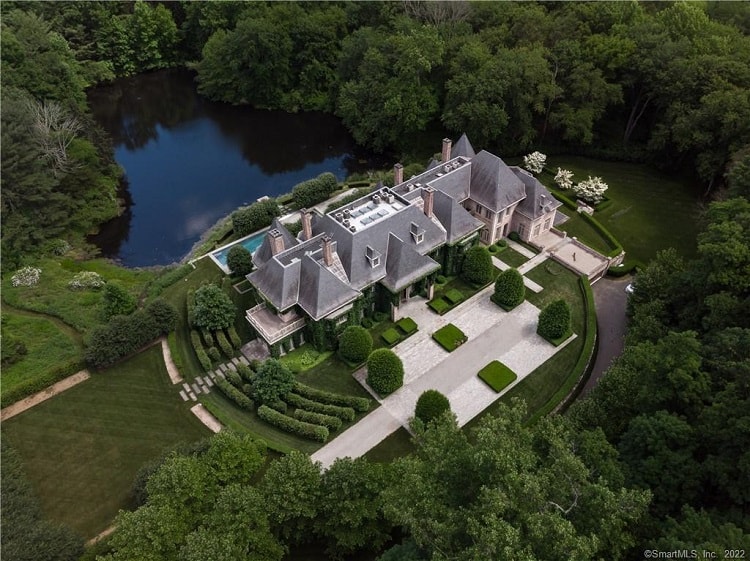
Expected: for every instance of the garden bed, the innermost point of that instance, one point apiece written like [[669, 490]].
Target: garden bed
[[450, 337], [497, 376], [404, 328]]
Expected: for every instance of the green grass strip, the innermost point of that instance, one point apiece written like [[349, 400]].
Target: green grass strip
[[450, 337], [497, 376]]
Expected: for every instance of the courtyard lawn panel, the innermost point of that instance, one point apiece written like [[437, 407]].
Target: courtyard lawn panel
[[512, 258], [439, 305], [454, 296], [577, 227], [449, 337], [497, 376], [391, 336], [407, 325], [82, 448]]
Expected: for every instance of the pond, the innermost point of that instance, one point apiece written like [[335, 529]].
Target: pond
[[189, 161]]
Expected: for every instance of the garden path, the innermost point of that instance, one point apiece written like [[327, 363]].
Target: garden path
[[39, 397], [174, 374]]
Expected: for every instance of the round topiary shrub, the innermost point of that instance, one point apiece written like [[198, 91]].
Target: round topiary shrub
[[477, 266], [431, 405], [355, 344], [501, 243], [509, 288], [554, 320], [385, 371], [493, 248], [239, 260], [440, 279]]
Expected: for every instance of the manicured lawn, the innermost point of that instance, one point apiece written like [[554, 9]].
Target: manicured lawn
[[397, 445], [333, 375], [304, 358], [80, 309], [577, 227], [391, 336], [649, 210], [449, 337], [47, 347], [82, 448], [439, 305], [407, 325], [496, 375], [511, 257]]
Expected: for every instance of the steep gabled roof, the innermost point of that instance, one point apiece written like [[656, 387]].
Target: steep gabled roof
[[321, 292], [404, 265], [264, 253], [433, 164], [458, 223], [539, 200], [278, 283], [493, 183], [463, 148]]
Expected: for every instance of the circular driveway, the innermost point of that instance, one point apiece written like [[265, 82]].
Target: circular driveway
[[611, 301]]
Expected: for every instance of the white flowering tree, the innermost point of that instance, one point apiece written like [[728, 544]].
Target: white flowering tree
[[564, 178], [28, 276], [591, 190], [85, 280], [534, 162]]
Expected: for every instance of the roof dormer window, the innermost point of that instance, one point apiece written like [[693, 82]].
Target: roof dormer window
[[372, 256], [417, 233]]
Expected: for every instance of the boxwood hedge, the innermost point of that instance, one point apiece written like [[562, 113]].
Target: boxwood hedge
[[360, 404], [291, 425], [234, 394], [329, 421], [344, 413]]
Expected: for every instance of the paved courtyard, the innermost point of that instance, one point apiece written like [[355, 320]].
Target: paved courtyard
[[493, 335]]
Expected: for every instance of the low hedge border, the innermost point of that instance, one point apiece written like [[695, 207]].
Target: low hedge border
[[503, 306], [330, 422], [578, 376], [454, 296], [391, 336], [234, 378], [224, 344], [407, 325], [625, 268], [200, 352], [559, 340], [497, 376], [208, 339], [40, 383], [439, 305], [234, 338], [450, 337], [292, 425], [603, 232], [234, 394], [246, 373], [360, 404], [346, 414]]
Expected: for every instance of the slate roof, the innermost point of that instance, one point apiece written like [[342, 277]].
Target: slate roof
[[454, 183], [277, 282], [539, 200], [433, 164], [264, 253], [404, 265], [463, 148], [321, 292], [456, 220], [493, 183]]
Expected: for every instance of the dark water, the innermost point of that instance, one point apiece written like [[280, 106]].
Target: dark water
[[189, 161]]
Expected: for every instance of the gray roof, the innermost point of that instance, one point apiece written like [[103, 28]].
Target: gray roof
[[539, 201], [457, 222], [277, 282], [405, 265], [493, 183], [321, 292], [263, 253], [433, 164], [455, 183], [463, 148]]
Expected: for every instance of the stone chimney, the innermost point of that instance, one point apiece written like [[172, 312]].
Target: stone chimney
[[327, 245], [447, 144], [276, 241], [398, 174], [306, 224], [428, 194]]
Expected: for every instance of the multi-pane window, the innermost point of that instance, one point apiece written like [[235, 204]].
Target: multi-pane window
[[547, 223]]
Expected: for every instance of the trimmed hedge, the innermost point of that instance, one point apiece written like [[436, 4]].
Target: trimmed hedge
[[314, 191], [440, 279], [291, 425], [208, 339], [346, 414], [626, 268], [214, 354], [355, 344], [450, 337], [566, 201], [332, 423], [234, 379], [258, 215], [225, 346], [195, 339], [477, 266], [554, 320], [509, 289], [385, 371], [234, 338], [603, 232], [431, 405], [277, 405], [407, 325], [234, 394], [39, 383], [497, 376], [391, 336], [439, 305], [360, 404], [190, 304], [454, 296], [245, 373]]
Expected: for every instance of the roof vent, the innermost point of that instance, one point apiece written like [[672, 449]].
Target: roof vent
[[447, 168], [352, 228], [347, 222], [410, 186], [376, 199], [390, 198], [347, 213], [339, 216]]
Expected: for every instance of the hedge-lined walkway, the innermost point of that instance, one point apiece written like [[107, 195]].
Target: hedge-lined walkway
[[203, 384], [39, 397]]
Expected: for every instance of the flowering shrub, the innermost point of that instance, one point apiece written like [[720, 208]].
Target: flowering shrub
[[564, 178], [28, 276], [85, 280], [59, 247], [534, 162], [591, 190]]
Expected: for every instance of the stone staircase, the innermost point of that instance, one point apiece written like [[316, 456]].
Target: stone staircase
[[203, 384]]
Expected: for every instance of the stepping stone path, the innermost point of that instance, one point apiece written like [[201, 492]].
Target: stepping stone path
[[203, 384]]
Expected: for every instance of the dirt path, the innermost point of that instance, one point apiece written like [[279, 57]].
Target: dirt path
[[60, 324], [52, 391], [174, 374], [206, 418], [101, 536]]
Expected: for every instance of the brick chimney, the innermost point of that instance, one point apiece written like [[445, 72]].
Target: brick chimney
[[398, 174], [306, 224], [327, 245], [276, 241], [428, 194], [447, 144]]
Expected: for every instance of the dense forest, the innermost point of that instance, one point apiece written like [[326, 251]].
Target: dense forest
[[665, 83], [657, 457]]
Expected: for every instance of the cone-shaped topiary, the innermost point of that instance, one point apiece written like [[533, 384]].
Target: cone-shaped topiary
[[355, 344], [477, 267], [509, 289], [430, 405], [554, 320], [385, 371]]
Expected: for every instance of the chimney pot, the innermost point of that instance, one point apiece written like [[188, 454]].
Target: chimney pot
[[428, 194], [277, 241], [327, 245], [398, 174], [446, 155], [306, 224]]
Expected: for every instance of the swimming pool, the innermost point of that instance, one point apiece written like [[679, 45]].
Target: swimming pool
[[251, 243]]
